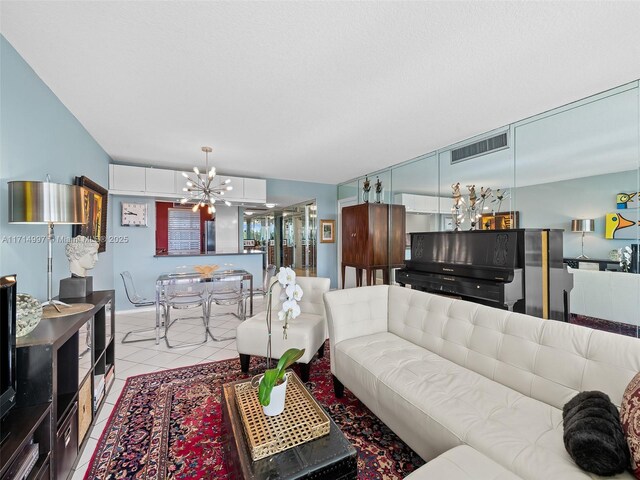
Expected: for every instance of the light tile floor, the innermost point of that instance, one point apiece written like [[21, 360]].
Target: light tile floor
[[145, 357]]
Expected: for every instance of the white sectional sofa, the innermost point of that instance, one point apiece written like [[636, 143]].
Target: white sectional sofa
[[607, 295], [442, 373]]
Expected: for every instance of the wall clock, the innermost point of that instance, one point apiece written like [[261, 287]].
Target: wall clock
[[134, 214]]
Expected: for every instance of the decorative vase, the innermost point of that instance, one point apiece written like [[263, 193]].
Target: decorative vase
[[28, 314], [276, 404]]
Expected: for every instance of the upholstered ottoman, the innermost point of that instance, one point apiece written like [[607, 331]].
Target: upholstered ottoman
[[307, 331], [462, 463]]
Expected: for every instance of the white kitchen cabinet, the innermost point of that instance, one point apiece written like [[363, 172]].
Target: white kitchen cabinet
[[181, 182], [163, 183], [417, 203], [160, 182], [255, 190], [123, 178], [238, 188]]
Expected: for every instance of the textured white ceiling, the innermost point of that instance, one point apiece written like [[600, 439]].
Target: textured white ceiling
[[315, 91]]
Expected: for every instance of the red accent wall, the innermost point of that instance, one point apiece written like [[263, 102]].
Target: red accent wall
[[162, 225]]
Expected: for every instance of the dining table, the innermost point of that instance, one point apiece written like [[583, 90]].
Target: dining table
[[187, 278]]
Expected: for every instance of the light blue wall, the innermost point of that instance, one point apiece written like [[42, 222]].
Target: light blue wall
[[136, 249], [288, 192], [38, 135], [137, 253], [554, 205]]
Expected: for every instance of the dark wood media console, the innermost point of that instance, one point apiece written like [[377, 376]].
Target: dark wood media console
[[63, 367]]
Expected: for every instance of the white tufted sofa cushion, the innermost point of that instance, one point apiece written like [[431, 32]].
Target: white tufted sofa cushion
[[462, 463], [550, 361], [443, 373]]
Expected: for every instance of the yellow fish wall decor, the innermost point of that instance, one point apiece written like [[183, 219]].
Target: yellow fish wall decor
[[617, 226]]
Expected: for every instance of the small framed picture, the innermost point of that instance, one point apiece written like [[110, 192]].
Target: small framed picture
[[500, 221], [95, 200], [327, 231]]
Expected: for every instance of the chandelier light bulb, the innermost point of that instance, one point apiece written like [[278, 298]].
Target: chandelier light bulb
[[209, 210], [201, 190], [229, 188], [184, 200], [194, 209], [227, 203]]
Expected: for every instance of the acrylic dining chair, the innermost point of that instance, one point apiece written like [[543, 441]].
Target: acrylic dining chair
[[137, 301], [183, 298]]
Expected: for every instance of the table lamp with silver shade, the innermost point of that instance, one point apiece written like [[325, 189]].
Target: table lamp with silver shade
[[582, 225], [46, 203]]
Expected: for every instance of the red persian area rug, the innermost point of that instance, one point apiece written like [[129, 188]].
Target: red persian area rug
[[167, 425]]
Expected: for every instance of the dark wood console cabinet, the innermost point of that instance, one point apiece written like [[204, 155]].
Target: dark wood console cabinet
[[65, 368], [373, 237]]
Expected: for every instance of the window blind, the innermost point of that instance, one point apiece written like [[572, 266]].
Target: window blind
[[184, 231]]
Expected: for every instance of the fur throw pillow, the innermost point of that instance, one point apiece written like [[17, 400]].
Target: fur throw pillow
[[593, 434]]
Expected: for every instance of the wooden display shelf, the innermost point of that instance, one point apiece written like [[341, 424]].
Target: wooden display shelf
[[50, 372], [25, 423]]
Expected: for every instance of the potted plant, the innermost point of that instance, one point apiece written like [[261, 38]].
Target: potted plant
[[272, 388], [272, 380]]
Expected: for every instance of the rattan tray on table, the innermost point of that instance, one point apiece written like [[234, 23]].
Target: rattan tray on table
[[329, 457], [301, 421]]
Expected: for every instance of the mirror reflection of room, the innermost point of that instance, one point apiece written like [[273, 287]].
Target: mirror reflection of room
[[288, 235], [569, 169]]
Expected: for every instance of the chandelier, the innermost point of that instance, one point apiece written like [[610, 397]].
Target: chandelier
[[202, 189]]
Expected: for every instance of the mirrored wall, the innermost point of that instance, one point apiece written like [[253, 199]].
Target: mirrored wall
[[288, 235], [575, 168]]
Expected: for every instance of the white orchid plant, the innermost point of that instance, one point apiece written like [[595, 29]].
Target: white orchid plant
[[290, 296]]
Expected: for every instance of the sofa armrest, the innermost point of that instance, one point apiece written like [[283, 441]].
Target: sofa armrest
[[355, 312]]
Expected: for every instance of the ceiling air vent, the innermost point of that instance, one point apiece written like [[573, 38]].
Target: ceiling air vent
[[482, 147]]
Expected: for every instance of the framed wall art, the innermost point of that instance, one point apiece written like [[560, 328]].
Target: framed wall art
[[95, 212], [327, 231], [499, 221]]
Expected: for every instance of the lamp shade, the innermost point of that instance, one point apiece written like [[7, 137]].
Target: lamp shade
[[583, 225], [45, 202]]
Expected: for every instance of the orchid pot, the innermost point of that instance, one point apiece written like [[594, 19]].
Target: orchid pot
[[277, 397], [273, 384]]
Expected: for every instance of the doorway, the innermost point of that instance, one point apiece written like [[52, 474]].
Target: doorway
[[299, 238]]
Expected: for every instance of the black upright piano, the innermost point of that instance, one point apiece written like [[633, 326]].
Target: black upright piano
[[520, 269]]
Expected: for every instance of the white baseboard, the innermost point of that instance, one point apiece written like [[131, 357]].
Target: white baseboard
[[150, 308]]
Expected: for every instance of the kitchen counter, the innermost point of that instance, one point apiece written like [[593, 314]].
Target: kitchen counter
[[210, 254]]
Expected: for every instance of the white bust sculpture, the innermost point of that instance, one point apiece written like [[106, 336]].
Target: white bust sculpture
[[82, 253]]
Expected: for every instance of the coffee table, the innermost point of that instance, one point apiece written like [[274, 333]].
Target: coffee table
[[330, 457]]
